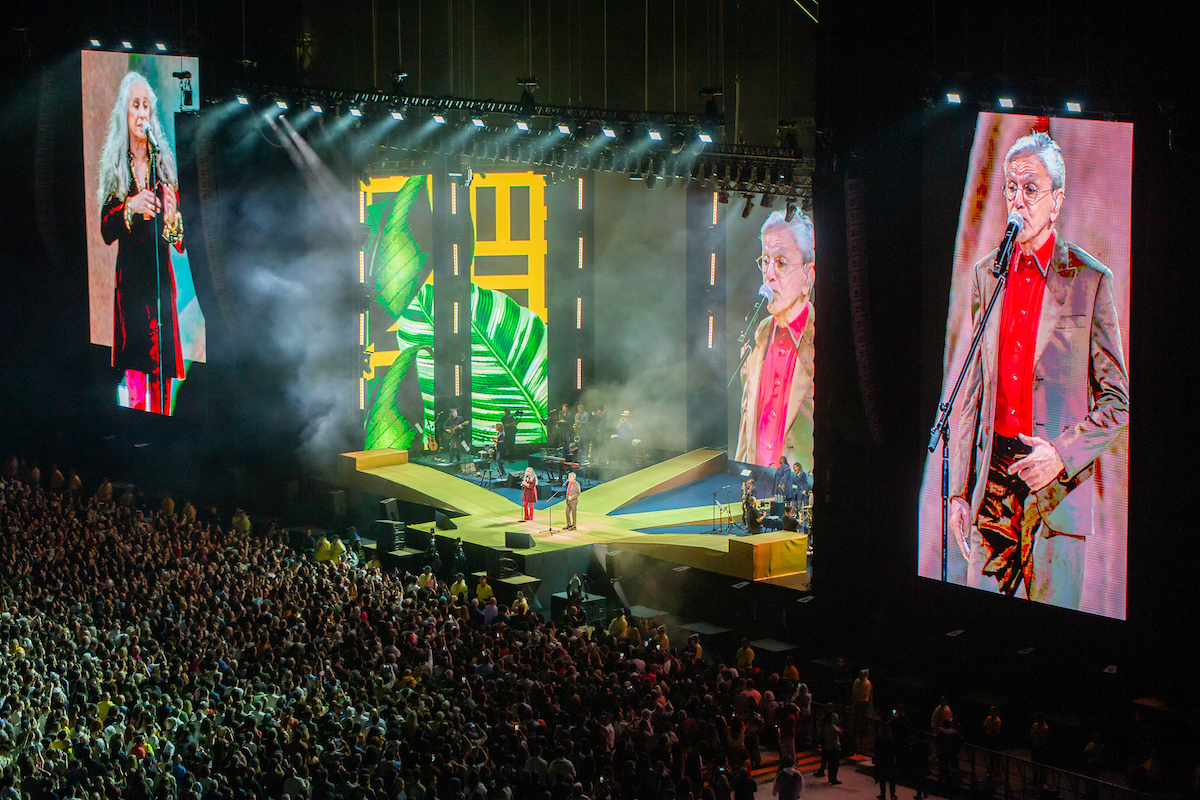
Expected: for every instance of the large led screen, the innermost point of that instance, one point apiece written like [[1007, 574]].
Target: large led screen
[[506, 318], [1038, 435], [142, 300]]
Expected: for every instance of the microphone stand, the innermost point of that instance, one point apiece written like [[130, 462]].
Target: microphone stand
[[152, 176], [764, 296], [550, 511], [941, 430]]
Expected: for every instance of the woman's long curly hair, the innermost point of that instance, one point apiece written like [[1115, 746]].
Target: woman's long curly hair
[[115, 178]]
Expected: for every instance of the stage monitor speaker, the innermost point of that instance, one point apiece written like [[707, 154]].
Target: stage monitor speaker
[[544, 491], [443, 522], [418, 539], [514, 481], [389, 509], [493, 558], [387, 534], [519, 540]]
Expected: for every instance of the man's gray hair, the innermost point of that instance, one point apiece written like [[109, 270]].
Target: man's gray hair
[[801, 229], [1047, 150]]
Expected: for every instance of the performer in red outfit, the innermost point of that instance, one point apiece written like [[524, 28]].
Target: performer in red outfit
[[529, 492], [139, 201]]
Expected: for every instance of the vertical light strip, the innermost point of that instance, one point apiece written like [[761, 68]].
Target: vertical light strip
[[710, 331], [362, 267], [581, 252], [362, 393], [455, 317], [714, 208], [581, 194], [456, 259], [362, 329], [712, 270], [362, 207], [578, 373], [453, 198], [578, 313], [458, 380]]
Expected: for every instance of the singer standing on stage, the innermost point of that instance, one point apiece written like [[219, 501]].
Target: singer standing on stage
[[1046, 394], [777, 377], [132, 214], [529, 492], [573, 492]]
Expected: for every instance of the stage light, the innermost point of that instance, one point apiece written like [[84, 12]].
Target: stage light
[[656, 136], [356, 112], [95, 42], [439, 117], [704, 137], [126, 44], [316, 108], [243, 100], [790, 213], [397, 114], [1006, 102], [749, 205], [522, 125], [722, 197], [768, 200], [651, 179], [953, 97], [564, 128], [281, 104], [609, 133], [1074, 107], [162, 48], [477, 122]]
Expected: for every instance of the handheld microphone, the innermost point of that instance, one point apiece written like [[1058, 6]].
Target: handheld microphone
[[1015, 223], [764, 296], [146, 129]]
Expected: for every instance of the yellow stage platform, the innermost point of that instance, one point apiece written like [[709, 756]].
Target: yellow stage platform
[[780, 558]]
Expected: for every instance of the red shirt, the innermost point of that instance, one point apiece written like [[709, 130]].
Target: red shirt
[[775, 387], [1018, 339]]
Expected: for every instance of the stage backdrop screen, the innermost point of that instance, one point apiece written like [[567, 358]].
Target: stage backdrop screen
[[1038, 436], [142, 300], [507, 309]]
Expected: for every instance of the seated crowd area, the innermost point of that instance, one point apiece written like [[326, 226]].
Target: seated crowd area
[[155, 654]]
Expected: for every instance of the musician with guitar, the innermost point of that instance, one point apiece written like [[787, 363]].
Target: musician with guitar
[[752, 515], [454, 433]]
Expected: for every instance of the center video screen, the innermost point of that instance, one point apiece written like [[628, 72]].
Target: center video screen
[[507, 315], [1039, 434], [142, 300]]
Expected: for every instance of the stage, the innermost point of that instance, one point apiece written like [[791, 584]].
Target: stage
[[482, 516]]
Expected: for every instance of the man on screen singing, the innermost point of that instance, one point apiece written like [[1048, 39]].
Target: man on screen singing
[[777, 378], [1046, 394]]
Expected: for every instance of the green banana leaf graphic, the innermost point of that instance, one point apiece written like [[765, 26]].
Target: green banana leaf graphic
[[386, 423], [395, 262], [508, 361]]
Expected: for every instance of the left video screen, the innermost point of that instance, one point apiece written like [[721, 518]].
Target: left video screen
[[141, 297]]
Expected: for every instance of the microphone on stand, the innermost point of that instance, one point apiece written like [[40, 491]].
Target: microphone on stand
[[1015, 223], [150, 137], [764, 296]]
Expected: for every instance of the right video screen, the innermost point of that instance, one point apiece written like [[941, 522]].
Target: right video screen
[[1038, 435]]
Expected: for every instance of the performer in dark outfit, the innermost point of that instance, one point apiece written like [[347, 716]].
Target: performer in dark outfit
[[454, 433], [139, 200], [750, 513], [510, 432]]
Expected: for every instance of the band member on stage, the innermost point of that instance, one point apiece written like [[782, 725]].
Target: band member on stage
[[529, 492], [454, 431], [751, 515], [562, 425], [625, 426], [500, 447], [510, 432], [783, 478], [573, 492], [790, 523]]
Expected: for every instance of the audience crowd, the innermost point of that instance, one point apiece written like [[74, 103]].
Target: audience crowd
[[149, 653]]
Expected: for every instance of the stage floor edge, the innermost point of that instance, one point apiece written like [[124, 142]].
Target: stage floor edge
[[778, 557]]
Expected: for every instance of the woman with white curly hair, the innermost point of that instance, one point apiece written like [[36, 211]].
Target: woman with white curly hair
[[139, 209]]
